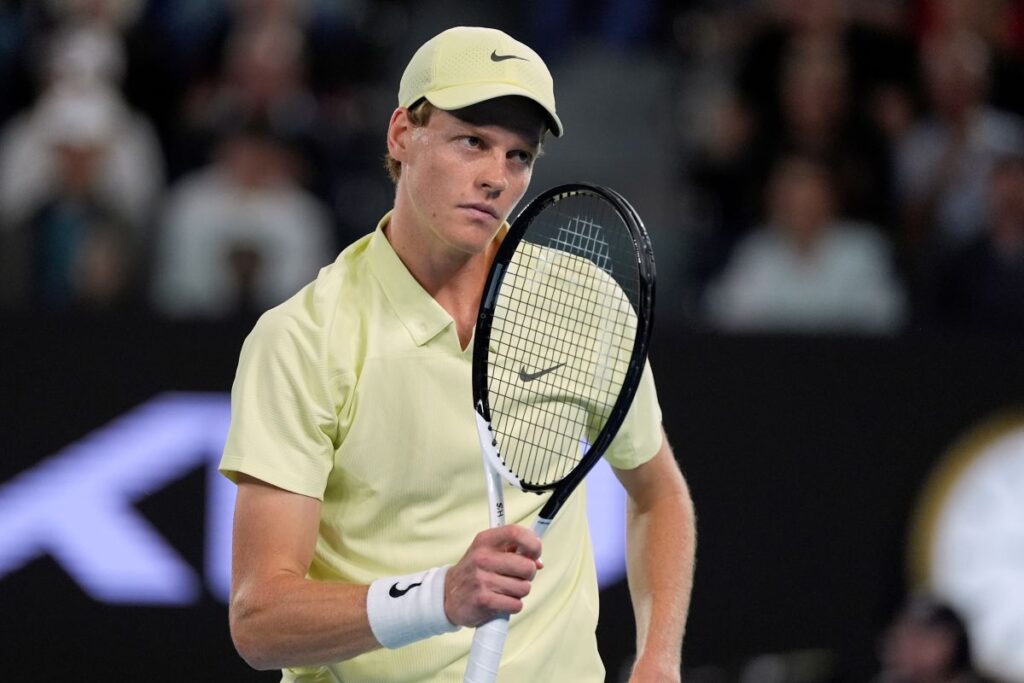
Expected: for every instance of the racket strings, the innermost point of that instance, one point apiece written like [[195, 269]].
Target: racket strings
[[582, 237], [583, 331], [545, 417], [564, 327]]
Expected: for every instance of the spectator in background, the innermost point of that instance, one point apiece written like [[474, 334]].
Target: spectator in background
[[998, 22], [879, 56], [72, 245], [944, 162], [826, 81], [80, 75], [241, 235], [981, 284], [926, 642], [262, 75], [818, 118], [813, 81], [807, 269]]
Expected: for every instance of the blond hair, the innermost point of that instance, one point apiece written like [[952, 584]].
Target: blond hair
[[418, 115]]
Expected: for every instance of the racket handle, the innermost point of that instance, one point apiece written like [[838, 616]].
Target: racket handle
[[540, 526], [485, 655]]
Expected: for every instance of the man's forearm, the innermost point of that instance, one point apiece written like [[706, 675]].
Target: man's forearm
[[661, 550], [293, 621]]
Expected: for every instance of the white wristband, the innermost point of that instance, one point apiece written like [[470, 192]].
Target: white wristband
[[404, 609]]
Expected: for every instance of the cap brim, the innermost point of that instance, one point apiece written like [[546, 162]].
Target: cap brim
[[461, 96]]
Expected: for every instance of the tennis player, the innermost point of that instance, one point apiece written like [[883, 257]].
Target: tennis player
[[357, 553]]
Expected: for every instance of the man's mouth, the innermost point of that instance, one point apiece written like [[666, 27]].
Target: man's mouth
[[482, 208]]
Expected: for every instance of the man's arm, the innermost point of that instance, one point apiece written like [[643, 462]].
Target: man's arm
[[279, 618], [661, 544]]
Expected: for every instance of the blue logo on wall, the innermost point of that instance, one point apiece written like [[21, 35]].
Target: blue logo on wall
[[79, 506]]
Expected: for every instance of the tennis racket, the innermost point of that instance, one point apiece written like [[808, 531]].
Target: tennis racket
[[560, 345]]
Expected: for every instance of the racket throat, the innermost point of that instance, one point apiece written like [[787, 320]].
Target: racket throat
[[540, 526], [492, 473]]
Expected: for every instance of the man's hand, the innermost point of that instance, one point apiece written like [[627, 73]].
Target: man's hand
[[648, 671], [493, 576]]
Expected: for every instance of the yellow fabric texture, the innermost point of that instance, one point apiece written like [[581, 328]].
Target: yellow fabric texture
[[356, 392]]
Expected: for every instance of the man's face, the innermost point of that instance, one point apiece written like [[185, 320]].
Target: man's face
[[463, 175], [801, 200]]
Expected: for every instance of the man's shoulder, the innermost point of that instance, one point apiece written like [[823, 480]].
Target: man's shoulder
[[345, 277], [338, 294]]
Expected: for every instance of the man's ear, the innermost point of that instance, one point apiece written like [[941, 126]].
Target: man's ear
[[398, 134]]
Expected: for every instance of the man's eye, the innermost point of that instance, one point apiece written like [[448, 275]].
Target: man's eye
[[472, 141], [523, 157]]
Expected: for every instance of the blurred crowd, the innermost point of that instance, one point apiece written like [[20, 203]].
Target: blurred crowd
[[860, 167], [196, 159], [924, 641], [853, 167]]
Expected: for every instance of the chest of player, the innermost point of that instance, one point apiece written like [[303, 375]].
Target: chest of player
[[411, 449]]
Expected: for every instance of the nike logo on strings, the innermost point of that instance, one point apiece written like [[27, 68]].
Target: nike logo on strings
[[397, 592], [495, 57], [530, 376]]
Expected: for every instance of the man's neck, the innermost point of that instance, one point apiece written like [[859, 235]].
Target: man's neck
[[454, 279]]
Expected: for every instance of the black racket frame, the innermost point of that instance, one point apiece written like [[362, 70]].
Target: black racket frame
[[645, 322]]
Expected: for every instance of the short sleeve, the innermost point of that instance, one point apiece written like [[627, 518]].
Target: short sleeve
[[283, 418], [640, 436]]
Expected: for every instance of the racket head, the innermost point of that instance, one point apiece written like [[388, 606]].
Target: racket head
[[562, 334]]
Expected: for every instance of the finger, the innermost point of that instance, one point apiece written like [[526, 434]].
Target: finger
[[496, 604], [517, 539], [510, 587], [508, 564], [503, 595]]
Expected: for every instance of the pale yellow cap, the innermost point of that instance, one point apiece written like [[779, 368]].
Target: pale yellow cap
[[466, 65]]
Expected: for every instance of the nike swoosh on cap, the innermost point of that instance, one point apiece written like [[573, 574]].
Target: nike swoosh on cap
[[495, 57]]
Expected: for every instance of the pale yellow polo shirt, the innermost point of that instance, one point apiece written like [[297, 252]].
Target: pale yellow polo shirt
[[356, 392]]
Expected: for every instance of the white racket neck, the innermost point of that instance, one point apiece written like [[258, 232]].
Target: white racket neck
[[492, 458]]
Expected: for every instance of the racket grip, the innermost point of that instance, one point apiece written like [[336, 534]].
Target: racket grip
[[485, 654]]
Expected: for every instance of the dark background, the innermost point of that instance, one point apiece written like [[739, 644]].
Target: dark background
[[804, 456]]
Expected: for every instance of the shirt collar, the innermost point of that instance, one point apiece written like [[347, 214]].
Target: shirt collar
[[421, 315]]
